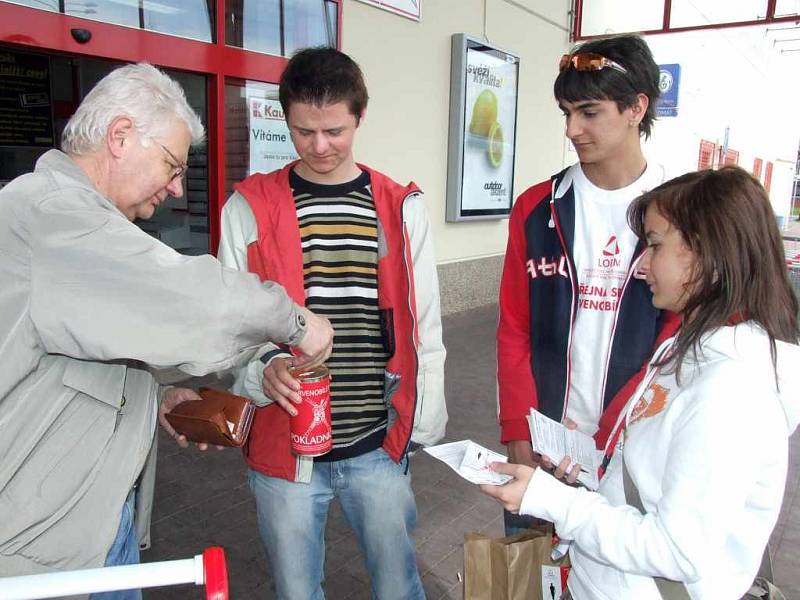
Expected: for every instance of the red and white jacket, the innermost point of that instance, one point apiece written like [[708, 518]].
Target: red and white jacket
[[414, 389], [538, 301]]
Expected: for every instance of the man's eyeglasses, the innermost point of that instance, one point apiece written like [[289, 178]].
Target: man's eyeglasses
[[588, 61], [178, 168]]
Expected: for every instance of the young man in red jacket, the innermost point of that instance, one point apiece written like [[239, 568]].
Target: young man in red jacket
[[576, 321], [355, 246]]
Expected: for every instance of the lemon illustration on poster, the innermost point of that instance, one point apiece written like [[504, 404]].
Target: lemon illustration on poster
[[481, 158], [271, 146], [491, 98]]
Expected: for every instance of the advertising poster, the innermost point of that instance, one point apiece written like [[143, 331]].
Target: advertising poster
[[490, 123], [482, 131], [270, 144], [26, 117]]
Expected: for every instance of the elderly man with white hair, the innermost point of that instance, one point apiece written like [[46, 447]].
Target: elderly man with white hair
[[88, 303]]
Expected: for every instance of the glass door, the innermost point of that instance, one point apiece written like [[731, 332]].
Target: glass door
[[227, 54], [41, 93]]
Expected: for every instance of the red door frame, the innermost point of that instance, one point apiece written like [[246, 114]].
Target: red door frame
[[44, 30], [665, 27]]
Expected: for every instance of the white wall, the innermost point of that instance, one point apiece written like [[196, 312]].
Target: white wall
[[407, 68]]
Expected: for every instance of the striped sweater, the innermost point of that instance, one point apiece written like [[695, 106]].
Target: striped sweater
[[339, 238]]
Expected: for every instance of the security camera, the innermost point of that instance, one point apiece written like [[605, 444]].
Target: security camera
[[82, 36]]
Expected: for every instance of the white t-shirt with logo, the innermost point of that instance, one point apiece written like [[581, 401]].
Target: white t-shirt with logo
[[603, 250]]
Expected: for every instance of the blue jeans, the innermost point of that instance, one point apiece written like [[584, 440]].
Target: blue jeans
[[124, 551], [377, 500]]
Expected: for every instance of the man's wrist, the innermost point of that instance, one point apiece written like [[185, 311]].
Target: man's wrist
[[514, 429], [162, 391], [267, 357], [300, 326]]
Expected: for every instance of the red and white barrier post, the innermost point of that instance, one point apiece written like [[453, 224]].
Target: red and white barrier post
[[208, 569]]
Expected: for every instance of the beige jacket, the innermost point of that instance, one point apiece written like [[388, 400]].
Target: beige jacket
[[87, 300]]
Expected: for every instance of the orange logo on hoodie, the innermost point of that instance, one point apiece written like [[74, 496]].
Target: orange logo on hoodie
[[652, 402]]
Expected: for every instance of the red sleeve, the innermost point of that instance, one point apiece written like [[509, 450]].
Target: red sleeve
[[515, 385], [669, 326]]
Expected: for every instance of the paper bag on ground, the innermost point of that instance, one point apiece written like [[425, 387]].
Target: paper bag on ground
[[518, 567], [477, 566]]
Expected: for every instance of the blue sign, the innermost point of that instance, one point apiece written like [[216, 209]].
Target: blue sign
[[669, 81]]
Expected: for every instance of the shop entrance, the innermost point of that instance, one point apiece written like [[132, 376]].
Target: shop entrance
[[38, 95], [227, 55]]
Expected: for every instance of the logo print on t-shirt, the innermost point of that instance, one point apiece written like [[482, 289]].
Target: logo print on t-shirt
[[612, 247], [652, 402]]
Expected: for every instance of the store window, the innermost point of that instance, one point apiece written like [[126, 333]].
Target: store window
[[122, 13], [232, 77], [256, 135], [686, 13], [182, 223], [51, 5], [611, 16], [308, 23], [185, 18], [280, 27], [785, 8], [35, 110], [594, 18]]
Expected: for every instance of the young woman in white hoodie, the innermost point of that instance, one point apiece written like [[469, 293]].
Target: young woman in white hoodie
[[704, 438]]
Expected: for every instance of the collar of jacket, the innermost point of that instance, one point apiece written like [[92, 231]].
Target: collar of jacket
[[271, 200], [61, 165]]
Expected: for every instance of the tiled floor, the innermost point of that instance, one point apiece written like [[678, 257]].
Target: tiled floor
[[203, 500]]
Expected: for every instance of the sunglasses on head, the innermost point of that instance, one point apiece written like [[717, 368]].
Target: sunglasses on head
[[588, 61]]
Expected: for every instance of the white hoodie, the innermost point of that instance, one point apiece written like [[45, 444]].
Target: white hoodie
[[709, 459]]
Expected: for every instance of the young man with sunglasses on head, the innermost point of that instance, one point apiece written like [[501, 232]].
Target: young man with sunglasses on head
[[576, 322]]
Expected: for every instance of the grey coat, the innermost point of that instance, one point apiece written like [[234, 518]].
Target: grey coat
[[88, 303]]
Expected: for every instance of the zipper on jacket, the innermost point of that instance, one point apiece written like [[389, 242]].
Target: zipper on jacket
[[631, 271], [409, 277], [557, 225]]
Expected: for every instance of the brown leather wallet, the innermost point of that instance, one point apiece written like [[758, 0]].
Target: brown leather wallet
[[219, 418]]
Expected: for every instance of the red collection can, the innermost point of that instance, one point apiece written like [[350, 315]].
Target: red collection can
[[311, 427]]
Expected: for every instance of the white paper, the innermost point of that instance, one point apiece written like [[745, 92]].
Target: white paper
[[551, 582], [471, 461], [555, 441]]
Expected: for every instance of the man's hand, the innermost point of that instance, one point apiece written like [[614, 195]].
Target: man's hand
[[280, 386], [173, 397], [510, 494], [316, 345], [520, 452]]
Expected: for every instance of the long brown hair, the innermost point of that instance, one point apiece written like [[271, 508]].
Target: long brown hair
[[726, 220]]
